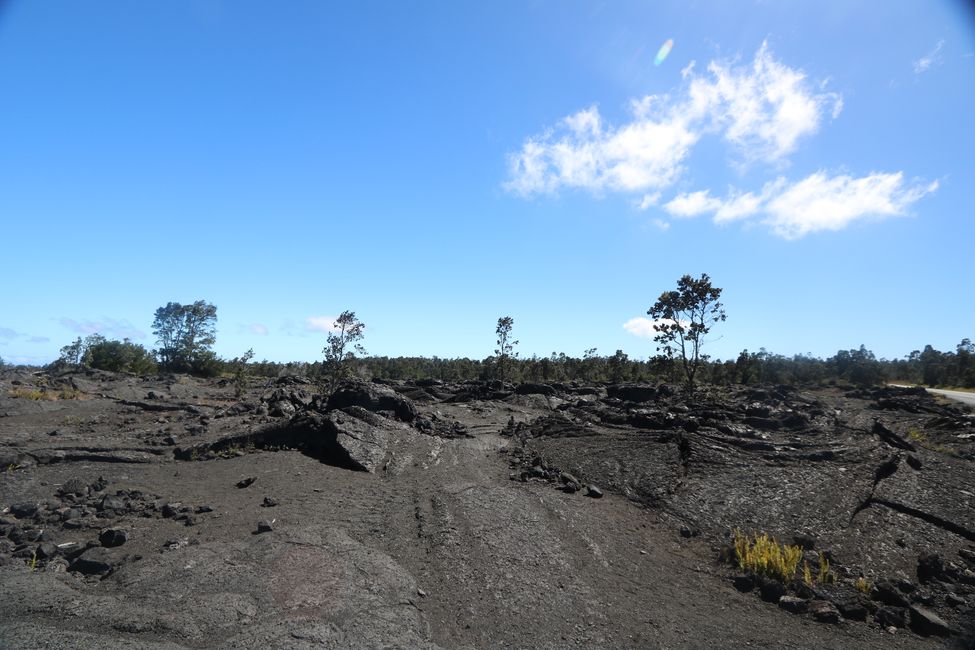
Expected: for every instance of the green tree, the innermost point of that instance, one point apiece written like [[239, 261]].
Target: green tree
[[617, 366], [506, 347], [186, 334], [73, 353], [683, 318], [78, 353], [341, 349], [239, 365], [590, 362]]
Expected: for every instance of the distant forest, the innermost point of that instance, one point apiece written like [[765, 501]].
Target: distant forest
[[858, 367]]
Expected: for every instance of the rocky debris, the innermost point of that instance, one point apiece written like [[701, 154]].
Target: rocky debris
[[374, 398], [246, 482], [890, 616], [286, 400], [594, 492], [824, 611], [436, 426], [269, 502], [885, 592], [265, 526]]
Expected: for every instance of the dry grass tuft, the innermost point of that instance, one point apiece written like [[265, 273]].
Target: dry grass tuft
[[763, 555]]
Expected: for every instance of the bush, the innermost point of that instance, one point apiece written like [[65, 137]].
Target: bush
[[120, 356]]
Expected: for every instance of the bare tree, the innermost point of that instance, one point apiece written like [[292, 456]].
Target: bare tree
[[506, 346]]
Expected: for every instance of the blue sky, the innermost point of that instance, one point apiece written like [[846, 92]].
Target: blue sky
[[436, 165]]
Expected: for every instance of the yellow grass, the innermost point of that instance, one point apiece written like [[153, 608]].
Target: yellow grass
[[763, 555]]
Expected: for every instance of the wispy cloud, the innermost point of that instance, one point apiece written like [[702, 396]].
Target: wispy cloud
[[108, 327], [820, 202], [816, 203], [258, 328], [763, 110], [10, 335], [642, 326], [929, 60], [692, 204], [648, 201], [320, 324]]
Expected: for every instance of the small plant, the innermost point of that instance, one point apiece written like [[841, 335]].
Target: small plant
[[32, 565], [763, 555], [863, 585], [916, 435], [807, 574], [825, 575], [240, 372]]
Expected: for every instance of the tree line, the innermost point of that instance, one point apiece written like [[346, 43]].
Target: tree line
[[683, 317]]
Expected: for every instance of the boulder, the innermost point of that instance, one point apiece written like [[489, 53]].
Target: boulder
[[95, 561], [891, 617], [374, 398], [23, 510], [357, 434], [529, 388], [824, 611], [887, 593], [632, 392], [113, 537], [926, 622], [792, 604]]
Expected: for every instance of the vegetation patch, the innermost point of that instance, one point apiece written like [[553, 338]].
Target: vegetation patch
[[38, 394], [763, 555]]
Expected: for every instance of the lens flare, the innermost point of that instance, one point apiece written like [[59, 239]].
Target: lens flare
[[664, 51]]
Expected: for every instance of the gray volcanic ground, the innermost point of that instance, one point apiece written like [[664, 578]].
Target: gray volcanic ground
[[163, 513]]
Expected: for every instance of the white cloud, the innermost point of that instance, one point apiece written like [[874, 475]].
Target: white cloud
[[687, 70], [648, 200], [258, 328], [692, 205], [643, 327], [738, 206], [320, 324], [820, 202], [763, 110], [642, 155], [816, 203], [932, 58], [664, 226]]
